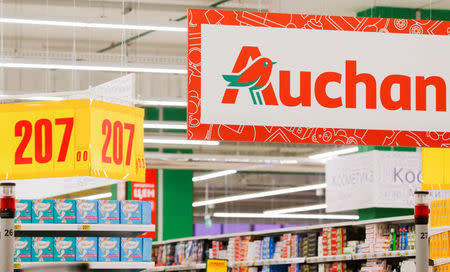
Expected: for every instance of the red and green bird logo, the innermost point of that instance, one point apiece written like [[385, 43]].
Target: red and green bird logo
[[255, 76]]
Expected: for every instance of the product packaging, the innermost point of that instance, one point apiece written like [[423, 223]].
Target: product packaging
[[109, 212], [87, 212], [109, 249], [131, 212], [146, 213], [65, 211], [43, 249], [42, 211], [24, 209], [23, 249], [131, 250], [87, 249], [147, 249], [65, 249]]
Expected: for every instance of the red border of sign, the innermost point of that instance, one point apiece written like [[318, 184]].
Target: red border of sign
[[223, 132]]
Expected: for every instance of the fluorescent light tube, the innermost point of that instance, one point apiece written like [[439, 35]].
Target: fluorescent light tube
[[214, 175], [90, 25], [288, 216], [259, 195], [165, 125], [298, 209], [41, 98], [163, 103], [92, 68], [331, 154], [178, 141], [98, 196]]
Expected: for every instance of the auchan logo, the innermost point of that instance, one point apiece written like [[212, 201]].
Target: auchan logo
[[252, 71]]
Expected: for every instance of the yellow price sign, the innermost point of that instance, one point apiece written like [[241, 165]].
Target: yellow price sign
[[215, 265], [17, 266], [85, 227], [17, 227], [72, 138]]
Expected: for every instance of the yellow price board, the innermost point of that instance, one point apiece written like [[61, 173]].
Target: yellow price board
[[436, 169], [214, 265], [71, 138]]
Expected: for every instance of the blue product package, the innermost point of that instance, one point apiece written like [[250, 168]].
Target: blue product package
[[87, 249], [146, 213], [22, 249], [109, 249], [65, 248], [42, 211], [87, 211], [65, 211], [43, 249], [147, 249], [109, 212], [130, 212], [131, 250], [24, 208]]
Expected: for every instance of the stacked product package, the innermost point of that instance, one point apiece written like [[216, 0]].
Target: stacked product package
[[376, 239], [182, 253], [332, 242], [440, 242]]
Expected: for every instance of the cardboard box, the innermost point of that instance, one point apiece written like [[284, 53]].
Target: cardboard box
[[65, 249], [87, 211], [131, 250], [42, 211], [65, 211], [43, 249], [131, 212], [87, 249], [146, 213], [109, 249], [23, 248], [24, 209], [109, 212]]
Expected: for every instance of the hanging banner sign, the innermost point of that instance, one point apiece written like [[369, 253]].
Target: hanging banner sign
[[269, 77], [71, 138]]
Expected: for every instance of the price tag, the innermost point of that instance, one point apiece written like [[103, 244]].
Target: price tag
[[17, 227], [71, 138], [17, 266], [85, 227], [214, 265]]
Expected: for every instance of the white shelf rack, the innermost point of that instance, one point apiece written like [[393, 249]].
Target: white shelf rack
[[326, 259], [177, 267], [434, 231], [384, 255], [267, 262], [84, 227], [92, 265], [437, 262]]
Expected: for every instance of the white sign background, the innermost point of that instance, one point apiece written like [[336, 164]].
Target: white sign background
[[380, 54]]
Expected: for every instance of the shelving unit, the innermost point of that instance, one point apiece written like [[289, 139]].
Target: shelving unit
[[92, 265], [267, 262], [437, 262], [434, 231], [326, 259], [177, 267]]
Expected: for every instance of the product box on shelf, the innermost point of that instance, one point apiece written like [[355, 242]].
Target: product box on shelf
[[43, 249], [65, 249], [131, 250], [131, 212], [109, 249], [87, 249], [109, 212], [42, 211], [87, 211], [147, 249], [146, 213], [23, 211], [23, 249], [65, 211]]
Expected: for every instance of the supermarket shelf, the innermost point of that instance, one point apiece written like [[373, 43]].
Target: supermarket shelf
[[383, 255], [325, 259], [92, 265], [437, 262], [267, 262], [177, 267], [434, 231], [182, 240]]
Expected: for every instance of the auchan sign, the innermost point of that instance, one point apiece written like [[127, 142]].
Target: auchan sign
[[297, 80]]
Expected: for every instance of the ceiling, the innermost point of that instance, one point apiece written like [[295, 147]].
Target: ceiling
[[259, 162]]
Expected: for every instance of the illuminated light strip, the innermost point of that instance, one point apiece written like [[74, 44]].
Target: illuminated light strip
[[41, 98], [165, 125], [178, 141], [214, 175], [92, 68], [259, 195], [297, 209], [331, 154], [162, 103], [98, 196], [90, 25], [288, 216]]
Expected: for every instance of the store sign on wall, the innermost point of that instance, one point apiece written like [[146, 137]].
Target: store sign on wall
[[317, 79], [71, 138]]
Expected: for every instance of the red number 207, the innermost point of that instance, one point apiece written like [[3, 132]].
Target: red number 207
[[43, 133], [116, 131]]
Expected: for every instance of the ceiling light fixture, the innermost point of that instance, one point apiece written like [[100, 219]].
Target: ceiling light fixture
[[214, 175], [297, 209], [288, 216], [328, 155], [178, 142], [259, 195], [90, 25], [162, 103], [92, 68], [98, 196], [41, 98], [165, 125]]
